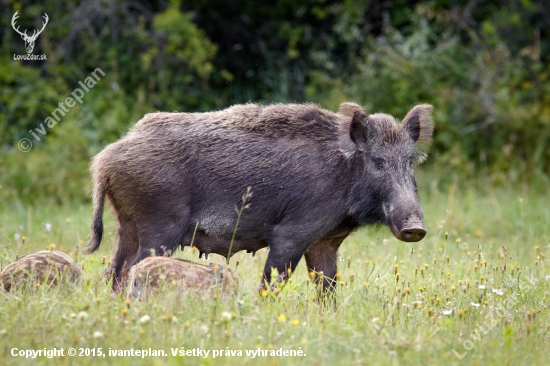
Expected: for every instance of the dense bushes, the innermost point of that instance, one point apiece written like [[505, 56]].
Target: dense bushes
[[483, 66]]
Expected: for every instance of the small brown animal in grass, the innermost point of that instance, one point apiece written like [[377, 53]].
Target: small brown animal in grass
[[43, 267], [148, 275]]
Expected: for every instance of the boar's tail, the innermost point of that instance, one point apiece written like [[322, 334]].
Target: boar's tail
[[100, 189]]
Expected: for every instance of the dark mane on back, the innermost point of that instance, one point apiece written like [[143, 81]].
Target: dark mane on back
[[278, 120]]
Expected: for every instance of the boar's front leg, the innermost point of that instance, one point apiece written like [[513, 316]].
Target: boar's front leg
[[284, 260], [287, 245], [322, 257]]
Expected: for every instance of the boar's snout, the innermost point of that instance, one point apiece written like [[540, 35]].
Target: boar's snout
[[412, 234], [412, 230]]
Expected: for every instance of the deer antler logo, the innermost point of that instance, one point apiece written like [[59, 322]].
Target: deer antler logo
[[29, 40]]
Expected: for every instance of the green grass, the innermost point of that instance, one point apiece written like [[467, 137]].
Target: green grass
[[493, 255]]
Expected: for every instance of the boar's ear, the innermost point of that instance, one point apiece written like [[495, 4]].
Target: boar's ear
[[359, 124], [359, 130], [418, 123]]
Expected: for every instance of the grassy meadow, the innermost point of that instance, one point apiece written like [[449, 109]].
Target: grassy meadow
[[475, 291]]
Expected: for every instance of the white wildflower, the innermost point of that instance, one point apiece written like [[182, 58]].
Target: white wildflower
[[144, 319]]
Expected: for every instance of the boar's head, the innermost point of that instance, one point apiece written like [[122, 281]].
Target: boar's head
[[385, 152]]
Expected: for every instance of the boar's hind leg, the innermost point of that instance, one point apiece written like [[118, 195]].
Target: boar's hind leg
[[128, 245], [322, 257], [159, 237]]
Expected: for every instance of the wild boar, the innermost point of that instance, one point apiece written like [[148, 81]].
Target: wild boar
[[146, 277], [45, 267], [315, 176]]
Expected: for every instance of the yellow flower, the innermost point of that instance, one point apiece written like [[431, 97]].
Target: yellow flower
[[282, 318], [295, 322], [68, 220]]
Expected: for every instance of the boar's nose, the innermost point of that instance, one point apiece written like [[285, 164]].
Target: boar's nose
[[413, 234]]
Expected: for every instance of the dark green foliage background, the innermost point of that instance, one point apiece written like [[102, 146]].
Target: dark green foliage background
[[483, 64]]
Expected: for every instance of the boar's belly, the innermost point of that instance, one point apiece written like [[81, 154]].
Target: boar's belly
[[207, 244]]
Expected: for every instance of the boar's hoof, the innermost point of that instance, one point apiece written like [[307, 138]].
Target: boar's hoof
[[413, 234]]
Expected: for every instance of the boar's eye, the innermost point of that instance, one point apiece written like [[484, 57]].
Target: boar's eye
[[379, 163]]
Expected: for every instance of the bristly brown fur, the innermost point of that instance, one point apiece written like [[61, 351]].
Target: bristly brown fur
[[316, 175], [277, 120], [43, 267], [150, 274]]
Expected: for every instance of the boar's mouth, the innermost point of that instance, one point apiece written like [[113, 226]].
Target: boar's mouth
[[411, 231]]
